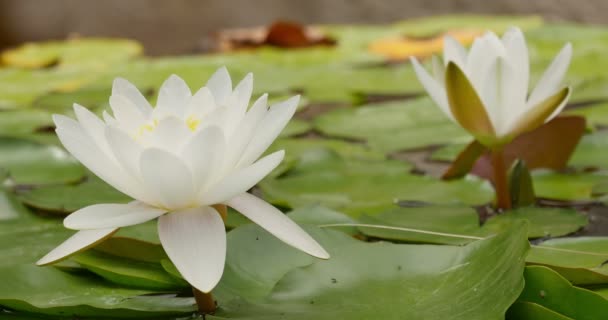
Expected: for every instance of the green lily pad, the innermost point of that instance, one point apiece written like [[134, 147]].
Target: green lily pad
[[547, 288], [22, 122], [10, 207], [461, 224], [393, 126], [361, 279], [32, 163], [458, 220], [128, 272], [596, 114], [296, 127], [590, 152], [45, 290], [307, 150], [69, 198], [357, 187], [577, 186], [523, 310], [543, 222], [92, 53], [580, 260]]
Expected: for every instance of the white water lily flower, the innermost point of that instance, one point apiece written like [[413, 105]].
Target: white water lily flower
[[486, 90], [177, 161]]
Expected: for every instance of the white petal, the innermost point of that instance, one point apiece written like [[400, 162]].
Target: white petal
[[454, 51], [220, 85], [80, 241], [243, 92], [204, 154], [241, 138], [167, 177], [125, 150], [93, 126], [126, 113], [517, 55], [83, 148], [275, 222], [438, 70], [109, 119], [268, 129], [195, 241], [550, 82], [481, 59], [201, 103], [435, 89], [173, 97], [126, 89], [242, 180], [110, 215]]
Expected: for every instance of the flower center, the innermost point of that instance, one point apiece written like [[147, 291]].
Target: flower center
[[192, 122], [148, 127]]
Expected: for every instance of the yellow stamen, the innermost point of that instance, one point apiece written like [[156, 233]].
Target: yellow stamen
[[193, 122], [146, 127]]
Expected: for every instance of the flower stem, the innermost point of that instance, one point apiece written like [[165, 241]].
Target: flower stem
[[204, 301], [501, 184]]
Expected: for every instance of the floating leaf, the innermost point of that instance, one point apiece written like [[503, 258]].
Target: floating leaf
[[69, 198], [458, 220], [32, 163], [81, 52], [361, 279], [393, 126], [128, 272], [46, 290], [542, 222], [355, 187], [580, 260], [547, 288]]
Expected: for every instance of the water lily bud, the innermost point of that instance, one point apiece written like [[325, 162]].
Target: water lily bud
[[486, 90]]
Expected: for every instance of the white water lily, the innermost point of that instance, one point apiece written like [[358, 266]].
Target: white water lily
[[486, 90], [177, 161]]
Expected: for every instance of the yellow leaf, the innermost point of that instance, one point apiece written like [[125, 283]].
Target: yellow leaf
[[403, 48]]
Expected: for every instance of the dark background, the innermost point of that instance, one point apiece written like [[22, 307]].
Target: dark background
[[179, 26]]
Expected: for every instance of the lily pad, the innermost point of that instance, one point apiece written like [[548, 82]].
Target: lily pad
[[562, 186], [393, 126], [69, 198], [590, 153], [29, 288], [33, 163], [547, 288], [456, 220], [357, 187], [361, 278], [128, 272], [91, 53], [580, 260], [543, 222]]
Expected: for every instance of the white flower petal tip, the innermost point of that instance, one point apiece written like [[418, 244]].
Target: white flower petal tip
[[498, 71], [277, 223], [195, 241], [79, 242], [102, 216]]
